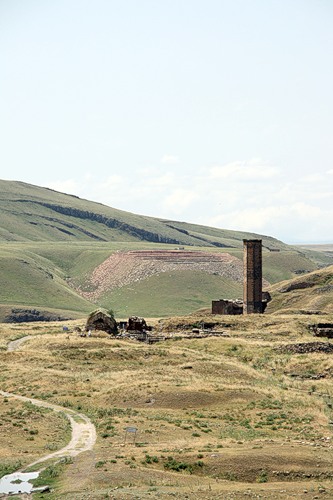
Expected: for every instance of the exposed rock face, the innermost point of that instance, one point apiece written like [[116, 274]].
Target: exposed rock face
[[299, 285], [30, 315], [306, 347], [322, 330]]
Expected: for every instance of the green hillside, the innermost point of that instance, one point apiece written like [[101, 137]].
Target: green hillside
[[51, 244], [171, 293], [32, 213]]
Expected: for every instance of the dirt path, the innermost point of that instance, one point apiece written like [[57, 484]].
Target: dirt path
[[14, 345], [83, 430]]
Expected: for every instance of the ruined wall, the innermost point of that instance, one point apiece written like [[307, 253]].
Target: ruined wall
[[227, 307]]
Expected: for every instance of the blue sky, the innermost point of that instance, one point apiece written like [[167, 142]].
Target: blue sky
[[218, 112]]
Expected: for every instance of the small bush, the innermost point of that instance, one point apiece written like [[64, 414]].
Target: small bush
[[262, 478], [99, 464], [173, 464]]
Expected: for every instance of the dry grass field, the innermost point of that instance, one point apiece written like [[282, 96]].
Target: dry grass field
[[239, 415]]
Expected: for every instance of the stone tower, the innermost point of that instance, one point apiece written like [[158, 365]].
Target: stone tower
[[252, 277]]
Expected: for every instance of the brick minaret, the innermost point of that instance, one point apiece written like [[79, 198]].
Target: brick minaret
[[252, 277]]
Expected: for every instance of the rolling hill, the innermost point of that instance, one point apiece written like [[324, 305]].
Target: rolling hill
[[311, 293], [61, 256], [32, 213]]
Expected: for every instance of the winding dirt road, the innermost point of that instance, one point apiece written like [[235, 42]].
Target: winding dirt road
[[83, 430]]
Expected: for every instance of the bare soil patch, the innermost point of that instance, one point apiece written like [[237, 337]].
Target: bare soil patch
[[125, 268], [193, 399]]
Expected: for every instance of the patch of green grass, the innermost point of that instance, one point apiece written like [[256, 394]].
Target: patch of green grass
[[7, 467], [48, 477], [170, 293]]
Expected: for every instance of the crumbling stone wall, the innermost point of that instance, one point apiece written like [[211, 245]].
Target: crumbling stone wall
[[227, 307]]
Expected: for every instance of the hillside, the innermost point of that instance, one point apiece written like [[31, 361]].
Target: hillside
[[32, 213], [62, 256], [310, 293]]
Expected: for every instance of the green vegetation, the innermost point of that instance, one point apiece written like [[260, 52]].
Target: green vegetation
[[32, 213], [45, 274], [239, 410], [175, 292], [7, 467]]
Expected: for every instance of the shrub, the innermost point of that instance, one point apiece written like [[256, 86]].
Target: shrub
[[173, 464]]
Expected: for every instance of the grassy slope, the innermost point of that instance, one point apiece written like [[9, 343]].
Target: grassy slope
[[177, 292], [42, 249], [39, 214], [244, 417], [310, 292], [29, 280], [32, 264]]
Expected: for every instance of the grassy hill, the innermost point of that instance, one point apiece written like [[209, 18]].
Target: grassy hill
[[51, 244], [312, 292], [32, 213]]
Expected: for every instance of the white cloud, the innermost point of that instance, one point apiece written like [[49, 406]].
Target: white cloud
[[161, 180], [179, 199], [112, 182], [313, 178], [300, 221], [243, 171], [69, 186], [170, 159], [251, 196]]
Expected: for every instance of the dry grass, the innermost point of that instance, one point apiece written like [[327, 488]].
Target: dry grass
[[215, 416], [27, 432]]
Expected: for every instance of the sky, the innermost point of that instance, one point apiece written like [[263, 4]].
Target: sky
[[216, 112]]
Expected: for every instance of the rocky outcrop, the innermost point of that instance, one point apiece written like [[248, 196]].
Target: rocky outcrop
[[307, 347], [29, 315], [296, 285], [322, 330], [137, 232]]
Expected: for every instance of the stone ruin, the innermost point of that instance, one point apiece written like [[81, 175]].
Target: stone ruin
[[234, 307], [136, 324], [254, 299], [224, 306]]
